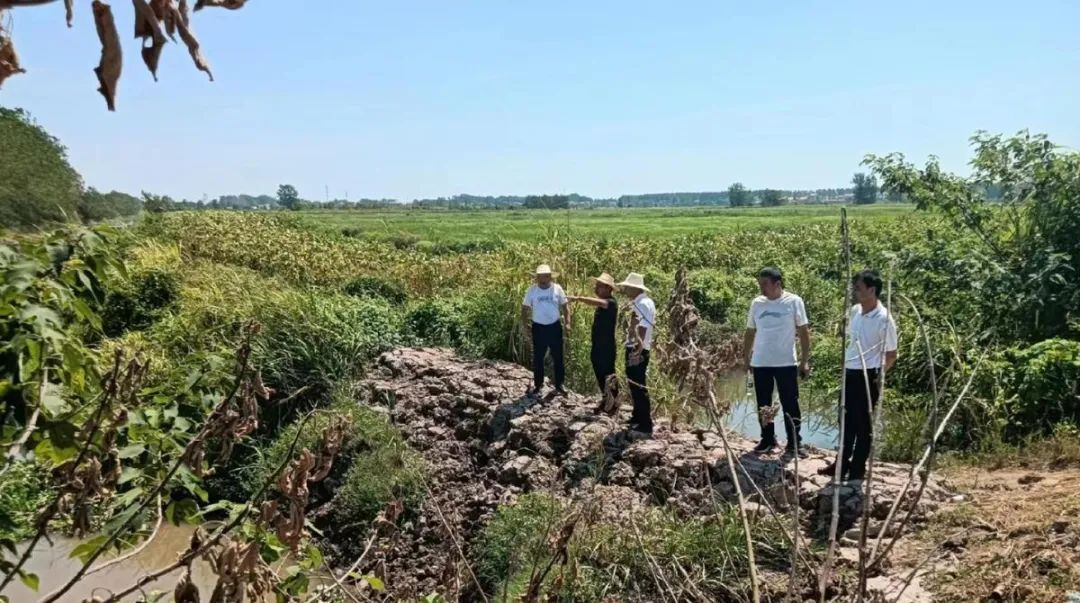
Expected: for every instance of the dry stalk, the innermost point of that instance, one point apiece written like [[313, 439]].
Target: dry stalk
[[694, 374], [834, 520], [924, 477], [199, 547], [931, 420], [135, 551], [110, 392], [875, 413], [457, 544], [234, 417]]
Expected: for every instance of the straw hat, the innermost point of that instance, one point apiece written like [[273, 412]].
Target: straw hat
[[634, 280], [605, 279], [543, 269]]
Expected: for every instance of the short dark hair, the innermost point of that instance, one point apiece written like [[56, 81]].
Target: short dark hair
[[871, 279], [772, 273]]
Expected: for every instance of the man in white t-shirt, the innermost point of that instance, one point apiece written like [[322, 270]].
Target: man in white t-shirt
[[544, 305], [871, 345], [777, 318], [639, 338]]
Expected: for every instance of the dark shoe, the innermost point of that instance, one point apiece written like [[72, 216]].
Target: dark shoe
[[532, 392], [791, 451], [635, 434], [764, 446], [560, 391]]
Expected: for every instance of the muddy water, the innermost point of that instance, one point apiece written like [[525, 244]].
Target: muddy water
[[818, 416], [54, 567]]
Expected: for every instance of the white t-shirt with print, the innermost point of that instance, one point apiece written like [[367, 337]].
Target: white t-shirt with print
[[775, 321], [645, 310], [545, 303], [876, 333]]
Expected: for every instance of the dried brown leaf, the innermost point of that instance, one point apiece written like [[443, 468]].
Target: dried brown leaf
[[229, 4], [184, 13], [69, 8], [9, 61], [148, 27], [186, 591], [111, 63], [163, 10], [192, 44]]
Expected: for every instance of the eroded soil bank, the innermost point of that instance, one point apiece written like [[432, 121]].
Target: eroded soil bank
[[485, 445]]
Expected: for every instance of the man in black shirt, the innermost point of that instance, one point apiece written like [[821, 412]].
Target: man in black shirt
[[603, 338]]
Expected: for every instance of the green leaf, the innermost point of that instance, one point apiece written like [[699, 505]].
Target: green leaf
[[127, 474], [128, 498], [83, 310], [84, 550], [132, 451], [375, 583], [52, 401], [31, 581]]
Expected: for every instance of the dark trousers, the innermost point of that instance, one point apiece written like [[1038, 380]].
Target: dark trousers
[[641, 418], [858, 422], [548, 337], [786, 381], [603, 366]]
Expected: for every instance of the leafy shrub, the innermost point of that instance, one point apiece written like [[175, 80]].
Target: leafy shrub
[[24, 492], [712, 294], [137, 304], [1044, 387], [517, 537], [95, 206], [310, 339], [517, 540], [374, 467], [436, 322], [373, 286], [403, 240]]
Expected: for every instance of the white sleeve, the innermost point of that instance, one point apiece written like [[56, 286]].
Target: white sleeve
[[750, 324], [801, 320], [560, 295], [527, 301], [891, 338]]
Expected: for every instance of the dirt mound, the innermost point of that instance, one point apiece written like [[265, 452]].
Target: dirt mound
[[485, 443]]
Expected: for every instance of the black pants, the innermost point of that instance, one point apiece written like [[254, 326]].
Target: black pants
[[858, 422], [786, 380], [548, 337], [641, 418], [603, 366]]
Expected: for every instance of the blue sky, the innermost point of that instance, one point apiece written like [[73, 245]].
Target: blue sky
[[416, 99]]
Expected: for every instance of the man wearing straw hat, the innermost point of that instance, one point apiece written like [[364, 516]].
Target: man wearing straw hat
[[638, 343], [602, 353], [544, 304]]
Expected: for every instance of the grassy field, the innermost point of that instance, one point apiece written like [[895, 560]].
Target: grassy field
[[527, 225]]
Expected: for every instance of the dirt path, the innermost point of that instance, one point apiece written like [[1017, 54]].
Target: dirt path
[[1015, 537]]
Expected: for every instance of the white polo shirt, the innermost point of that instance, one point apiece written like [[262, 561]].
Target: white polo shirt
[[775, 322], [875, 331], [645, 310], [545, 303]]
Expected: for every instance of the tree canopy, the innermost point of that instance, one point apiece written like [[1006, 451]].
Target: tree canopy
[[866, 188], [37, 184]]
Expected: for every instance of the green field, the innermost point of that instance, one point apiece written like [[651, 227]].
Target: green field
[[526, 225]]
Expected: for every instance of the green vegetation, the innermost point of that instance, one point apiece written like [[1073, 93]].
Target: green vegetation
[[433, 226], [39, 186], [995, 284], [518, 544]]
